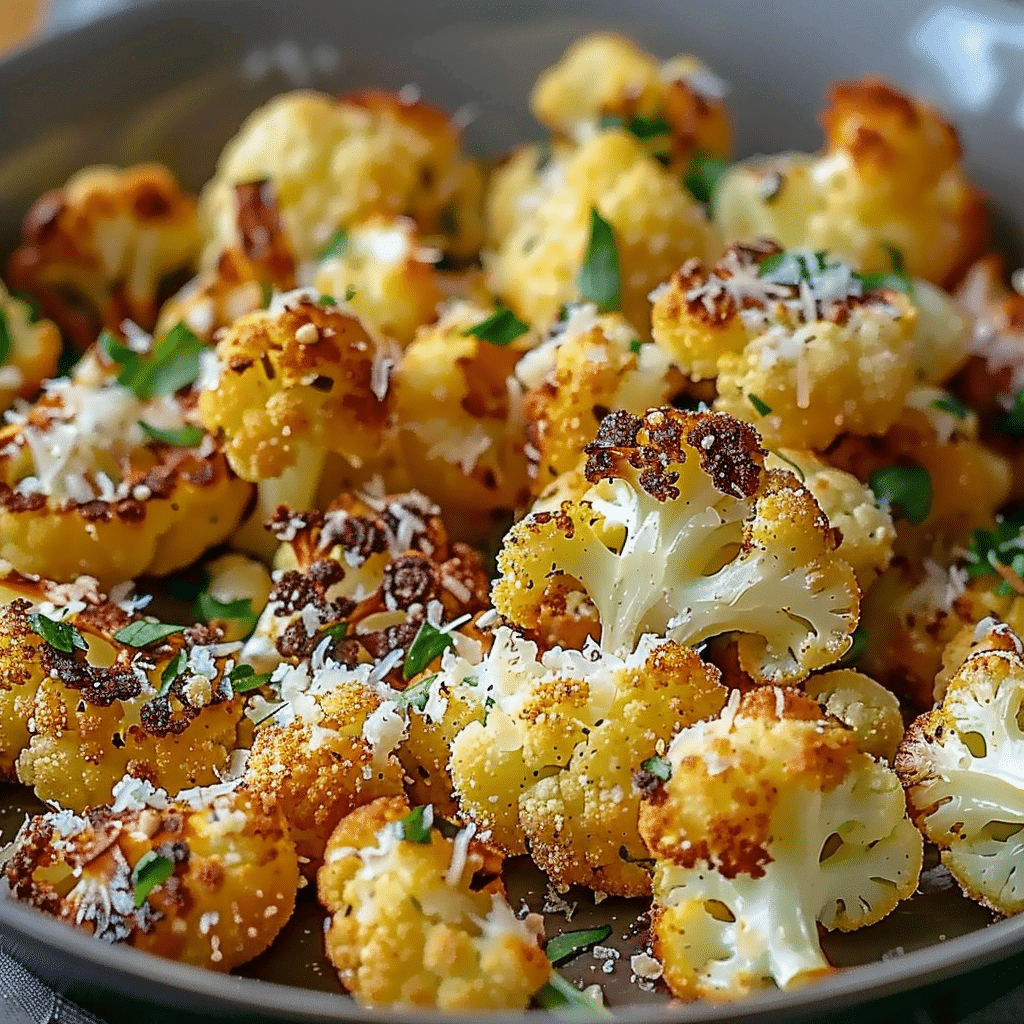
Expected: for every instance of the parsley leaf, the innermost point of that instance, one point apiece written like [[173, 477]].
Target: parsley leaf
[[152, 869], [416, 825], [889, 281], [909, 487], [501, 328], [62, 636], [173, 362], [559, 994], [703, 176], [171, 672], [857, 648], [5, 337], [762, 407], [899, 264], [142, 634], [658, 767], [635, 346], [186, 437], [336, 245], [244, 678], [1013, 422], [328, 300], [564, 947], [952, 405], [350, 293], [1003, 546], [428, 643], [598, 279], [789, 462], [210, 608], [417, 695]]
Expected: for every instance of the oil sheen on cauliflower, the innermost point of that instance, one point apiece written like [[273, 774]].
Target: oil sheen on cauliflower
[[227, 872], [685, 534], [771, 822], [961, 764], [421, 920]]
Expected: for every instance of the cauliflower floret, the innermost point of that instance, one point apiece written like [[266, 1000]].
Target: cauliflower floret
[[409, 924], [656, 223], [550, 768], [799, 345], [685, 534], [675, 106], [86, 488], [297, 381], [588, 366], [866, 530], [961, 765], [30, 350], [891, 175], [869, 709], [205, 879], [335, 162], [97, 250], [771, 822], [460, 419]]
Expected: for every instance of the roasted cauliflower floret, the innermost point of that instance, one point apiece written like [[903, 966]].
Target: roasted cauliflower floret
[[676, 106], [798, 343], [411, 922], [96, 251], [866, 707], [297, 381], [656, 224], [550, 768], [685, 534], [206, 879], [335, 162], [771, 821], [890, 176], [961, 765], [30, 350]]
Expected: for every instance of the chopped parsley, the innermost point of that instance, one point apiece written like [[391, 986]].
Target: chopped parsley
[[244, 678], [152, 869], [5, 337], [337, 632], [336, 245], [417, 695], [887, 281], [142, 634], [266, 293], [172, 364], [1002, 546], [952, 405], [186, 437], [501, 328], [328, 300], [763, 408], [563, 948], [416, 825], [792, 465], [899, 264], [210, 608], [544, 154], [62, 636], [559, 994], [703, 176], [908, 487], [428, 643], [1013, 422], [174, 668], [658, 767], [857, 648], [636, 345], [350, 293], [598, 279]]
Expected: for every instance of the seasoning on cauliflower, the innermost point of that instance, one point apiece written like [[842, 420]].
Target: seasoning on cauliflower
[[800, 344], [206, 878], [96, 251], [334, 162], [419, 919], [549, 767], [657, 225], [771, 821], [866, 707], [29, 350], [890, 177], [685, 534], [961, 766], [676, 106]]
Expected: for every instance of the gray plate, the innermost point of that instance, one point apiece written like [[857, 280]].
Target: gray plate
[[171, 82]]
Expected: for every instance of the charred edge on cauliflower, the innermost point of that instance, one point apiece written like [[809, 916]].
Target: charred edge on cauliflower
[[261, 232]]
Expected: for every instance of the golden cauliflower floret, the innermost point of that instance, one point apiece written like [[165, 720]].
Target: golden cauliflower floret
[[800, 344], [891, 176], [961, 766], [334, 162], [770, 822], [589, 366], [656, 224], [866, 707], [85, 488], [551, 768], [412, 924], [458, 408], [30, 350], [866, 531], [206, 879], [297, 381], [675, 105], [21, 672], [97, 250], [322, 747], [166, 713], [685, 534], [516, 186]]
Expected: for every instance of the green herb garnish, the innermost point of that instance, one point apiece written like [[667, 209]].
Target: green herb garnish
[[244, 678], [636, 345], [5, 337], [266, 293], [501, 328], [1013, 422], [350, 293], [210, 608], [563, 948], [416, 825], [559, 994], [886, 281], [857, 648], [899, 264], [952, 405], [173, 362], [1002, 546], [703, 176], [417, 695], [152, 869], [186, 437], [60, 635], [426, 646], [328, 300], [658, 767], [142, 634], [789, 462], [908, 487], [336, 245], [598, 279], [763, 408], [173, 669]]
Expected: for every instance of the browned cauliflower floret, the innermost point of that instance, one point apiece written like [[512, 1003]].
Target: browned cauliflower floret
[[890, 176], [334, 162], [801, 345], [868, 708], [770, 822], [206, 879], [655, 223], [675, 106], [421, 920], [961, 765], [29, 350], [685, 534], [96, 251]]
